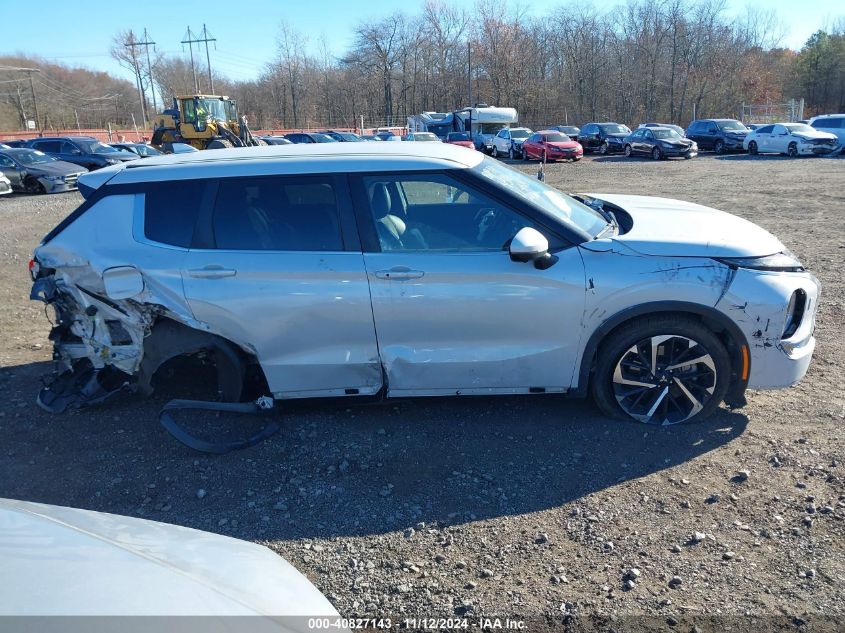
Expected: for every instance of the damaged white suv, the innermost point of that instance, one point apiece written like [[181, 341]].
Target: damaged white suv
[[414, 269]]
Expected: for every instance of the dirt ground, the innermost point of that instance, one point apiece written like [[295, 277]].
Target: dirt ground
[[531, 507]]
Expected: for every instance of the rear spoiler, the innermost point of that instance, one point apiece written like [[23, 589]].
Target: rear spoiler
[[93, 180]]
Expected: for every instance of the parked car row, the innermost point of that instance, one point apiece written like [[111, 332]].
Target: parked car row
[[820, 135]]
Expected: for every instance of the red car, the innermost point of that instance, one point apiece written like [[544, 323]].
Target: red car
[[549, 145], [460, 138]]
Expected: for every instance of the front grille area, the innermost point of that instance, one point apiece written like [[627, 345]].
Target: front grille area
[[70, 179]]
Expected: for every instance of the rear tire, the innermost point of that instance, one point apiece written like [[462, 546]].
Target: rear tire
[[661, 369]]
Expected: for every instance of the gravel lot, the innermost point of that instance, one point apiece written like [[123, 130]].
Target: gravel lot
[[534, 508]]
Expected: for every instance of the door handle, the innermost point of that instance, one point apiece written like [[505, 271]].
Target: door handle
[[399, 273], [212, 271]]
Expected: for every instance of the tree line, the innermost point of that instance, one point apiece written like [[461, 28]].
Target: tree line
[[662, 60]]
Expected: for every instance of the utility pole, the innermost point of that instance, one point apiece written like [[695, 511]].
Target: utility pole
[[146, 44], [189, 40], [29, 72], [469, 72], [207, 38], [34, 98], [131, 44]]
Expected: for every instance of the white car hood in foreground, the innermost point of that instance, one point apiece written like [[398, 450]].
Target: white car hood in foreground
[[666, 227], [65, 561]]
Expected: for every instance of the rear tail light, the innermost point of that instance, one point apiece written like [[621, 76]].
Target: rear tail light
[[34, 269], [794, 313]]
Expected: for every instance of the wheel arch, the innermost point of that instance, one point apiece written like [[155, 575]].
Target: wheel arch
[[169, 339], [719, 323]]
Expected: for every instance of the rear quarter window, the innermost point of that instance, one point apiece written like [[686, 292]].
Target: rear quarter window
[[170, 211]]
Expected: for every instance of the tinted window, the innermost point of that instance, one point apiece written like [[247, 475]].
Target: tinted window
[[766, 129], [48, 146], [69, 148], [829, 124], [170, 211], [6, 162], [434, 212], [277, 214]]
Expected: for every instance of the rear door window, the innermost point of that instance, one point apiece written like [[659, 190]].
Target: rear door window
[[47, 146], [277, 214], [170, 211]]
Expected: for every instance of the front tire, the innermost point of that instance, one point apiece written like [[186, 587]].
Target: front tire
[[604, 149], [219, 143], [792, 150], [628, 151], [656, 154], [752, 148], [511, 154], [33, 187], [661, 370], [495, 152], [719, 147]]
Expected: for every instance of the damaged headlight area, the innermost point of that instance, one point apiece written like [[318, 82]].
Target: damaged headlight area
[[779, 262], [98, 345]]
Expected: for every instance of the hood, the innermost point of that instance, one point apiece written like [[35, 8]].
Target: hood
[[735, 132], [119, 155], [563, 144], [67, 561], [54, 168], [817, 134], [618, 135], [666, 227]]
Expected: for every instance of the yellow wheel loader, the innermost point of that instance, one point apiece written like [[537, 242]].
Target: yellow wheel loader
[[203, 121]]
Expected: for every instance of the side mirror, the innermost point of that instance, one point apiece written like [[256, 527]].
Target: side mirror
[[123, 282], [529, 245]]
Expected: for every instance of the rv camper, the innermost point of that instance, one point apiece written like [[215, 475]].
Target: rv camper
[[440, 123], [483, 122]]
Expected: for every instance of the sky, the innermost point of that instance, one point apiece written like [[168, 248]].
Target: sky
[[80, 34]]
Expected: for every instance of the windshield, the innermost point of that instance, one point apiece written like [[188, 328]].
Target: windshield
[[555, 137], [214, 108], [323, 138], [348, 136], [666, 134], [146, 150], [554, 203], [616, 128], [96, 147], [799, 128], [492, 128], [569, 129], [425, 136], [732, 126], [458, 136], [30, 157], [520, 132]]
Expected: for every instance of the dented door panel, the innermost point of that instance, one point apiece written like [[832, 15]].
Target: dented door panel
[[476, 323], [305, 315]]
